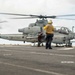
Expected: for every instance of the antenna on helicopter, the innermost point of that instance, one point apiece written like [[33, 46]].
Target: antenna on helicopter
[[72, 28]]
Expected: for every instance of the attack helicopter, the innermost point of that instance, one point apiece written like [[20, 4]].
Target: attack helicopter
[[62, 35]]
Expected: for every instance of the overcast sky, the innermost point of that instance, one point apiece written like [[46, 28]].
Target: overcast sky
[[40, 7]]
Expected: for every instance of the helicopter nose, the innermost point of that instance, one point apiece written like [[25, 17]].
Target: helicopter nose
[[20, 30]]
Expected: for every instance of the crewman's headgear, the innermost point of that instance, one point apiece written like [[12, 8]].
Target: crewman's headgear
[[50, 22]]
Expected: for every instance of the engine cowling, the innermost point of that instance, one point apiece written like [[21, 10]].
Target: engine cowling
[[34, 29]]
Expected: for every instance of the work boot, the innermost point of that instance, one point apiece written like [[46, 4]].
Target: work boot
[[50, 47]]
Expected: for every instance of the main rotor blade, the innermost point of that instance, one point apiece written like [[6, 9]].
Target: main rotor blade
[[14, 14], [66, 18], [34, 17], [19, 14], [44, 17], [23, 18], [38, 16], [66, 15]]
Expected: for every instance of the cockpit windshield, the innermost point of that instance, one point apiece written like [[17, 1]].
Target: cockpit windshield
[[63, 30]]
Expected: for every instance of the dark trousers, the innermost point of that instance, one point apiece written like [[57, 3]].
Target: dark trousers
[[39, 42], [49, 38]]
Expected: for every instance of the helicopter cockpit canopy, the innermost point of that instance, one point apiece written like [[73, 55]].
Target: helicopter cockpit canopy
[[63, 30], [41, 23]]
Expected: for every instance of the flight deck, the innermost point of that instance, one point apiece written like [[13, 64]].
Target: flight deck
[[32, 60]]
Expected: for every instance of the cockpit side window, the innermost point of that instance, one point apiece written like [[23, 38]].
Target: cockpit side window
[[64, 30]]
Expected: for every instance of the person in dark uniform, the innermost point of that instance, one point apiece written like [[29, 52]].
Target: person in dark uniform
[[40, 36], [49, 28]]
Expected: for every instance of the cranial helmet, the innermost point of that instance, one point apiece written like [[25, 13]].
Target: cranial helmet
[[50, 22]]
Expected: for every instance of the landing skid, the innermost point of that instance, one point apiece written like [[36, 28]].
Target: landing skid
[[61, 45]]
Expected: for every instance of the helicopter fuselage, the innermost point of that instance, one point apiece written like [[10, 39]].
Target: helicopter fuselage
[[57, 39]]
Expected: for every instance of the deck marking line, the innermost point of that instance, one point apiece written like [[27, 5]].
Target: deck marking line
[[67, 62], [29, 68], [66, 49], [52, 54], [7, 54]]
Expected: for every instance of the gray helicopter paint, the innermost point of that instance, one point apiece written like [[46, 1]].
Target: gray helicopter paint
[[33, 29], [15, 37], [59, 38]]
